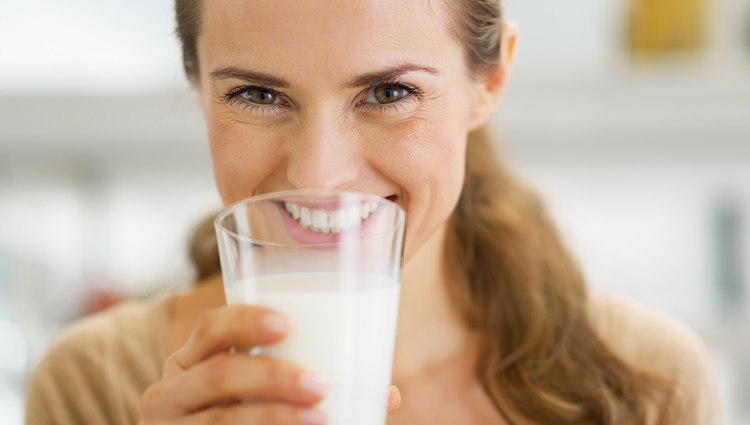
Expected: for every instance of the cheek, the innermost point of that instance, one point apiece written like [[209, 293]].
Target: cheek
[[429, 157], [428, 148], [243, 156], [426, 158]]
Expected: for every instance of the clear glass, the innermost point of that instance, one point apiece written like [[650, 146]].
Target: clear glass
[[331, 261]]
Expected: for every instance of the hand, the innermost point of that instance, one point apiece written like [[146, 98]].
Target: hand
[[204, 382]]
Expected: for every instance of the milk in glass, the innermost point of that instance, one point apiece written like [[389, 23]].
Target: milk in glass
[[343, 327]]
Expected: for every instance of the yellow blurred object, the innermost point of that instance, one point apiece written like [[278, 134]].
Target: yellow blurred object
[[665, 27]]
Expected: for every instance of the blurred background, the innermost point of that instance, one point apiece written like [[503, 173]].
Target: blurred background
[[631, 117]]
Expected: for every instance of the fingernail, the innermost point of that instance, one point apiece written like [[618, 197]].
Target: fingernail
[[313, 384], [312, 416], [398, 393], [275, 323]]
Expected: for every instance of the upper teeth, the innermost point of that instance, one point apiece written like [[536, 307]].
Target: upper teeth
[[333, 221]]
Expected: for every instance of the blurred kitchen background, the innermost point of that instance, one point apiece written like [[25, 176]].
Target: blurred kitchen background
[[632, 117]]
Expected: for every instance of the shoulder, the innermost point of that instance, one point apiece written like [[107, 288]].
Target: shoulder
[[121, 349], [645, 335], [652, 341], [130, 328]]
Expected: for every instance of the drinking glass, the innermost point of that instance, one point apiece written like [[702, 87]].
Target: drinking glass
[[330, 260]]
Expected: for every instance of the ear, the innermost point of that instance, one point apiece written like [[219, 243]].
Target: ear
[[490, 85]]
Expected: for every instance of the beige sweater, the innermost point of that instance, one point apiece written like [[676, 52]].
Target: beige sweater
[[97, 370]]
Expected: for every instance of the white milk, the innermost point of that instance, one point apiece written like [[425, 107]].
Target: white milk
[[343, 328]]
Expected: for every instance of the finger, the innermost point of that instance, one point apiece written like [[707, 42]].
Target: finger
[[228, 377], [394, 398], [238, 325], [265, 413], [171, 367]]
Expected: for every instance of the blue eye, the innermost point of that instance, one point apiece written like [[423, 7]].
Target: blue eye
[[260, 96], [387, 93]]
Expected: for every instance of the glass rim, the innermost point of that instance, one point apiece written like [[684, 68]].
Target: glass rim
[[229, 210]]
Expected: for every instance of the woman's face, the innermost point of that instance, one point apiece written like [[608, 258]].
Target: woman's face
[[365, 95]]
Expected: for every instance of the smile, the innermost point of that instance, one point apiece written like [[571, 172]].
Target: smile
[[330, 221]]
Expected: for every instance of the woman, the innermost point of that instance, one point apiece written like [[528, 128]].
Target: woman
[[387, 97]]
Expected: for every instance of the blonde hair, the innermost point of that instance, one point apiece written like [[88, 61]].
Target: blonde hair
[[522, 291]]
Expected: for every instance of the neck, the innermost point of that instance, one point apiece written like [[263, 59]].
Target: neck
[[430, 331]]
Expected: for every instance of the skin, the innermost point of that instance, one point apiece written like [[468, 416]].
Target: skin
[[323, 130]]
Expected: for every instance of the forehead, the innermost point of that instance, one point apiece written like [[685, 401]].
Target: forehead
[[325, 37]]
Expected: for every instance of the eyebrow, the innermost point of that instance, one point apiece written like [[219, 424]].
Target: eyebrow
[[378, 77], [369, 79], [249, 76]]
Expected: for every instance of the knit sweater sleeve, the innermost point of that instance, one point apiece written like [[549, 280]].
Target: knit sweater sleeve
[[97, 370]]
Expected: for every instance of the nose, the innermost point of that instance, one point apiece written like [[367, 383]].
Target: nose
[[323, 154]]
